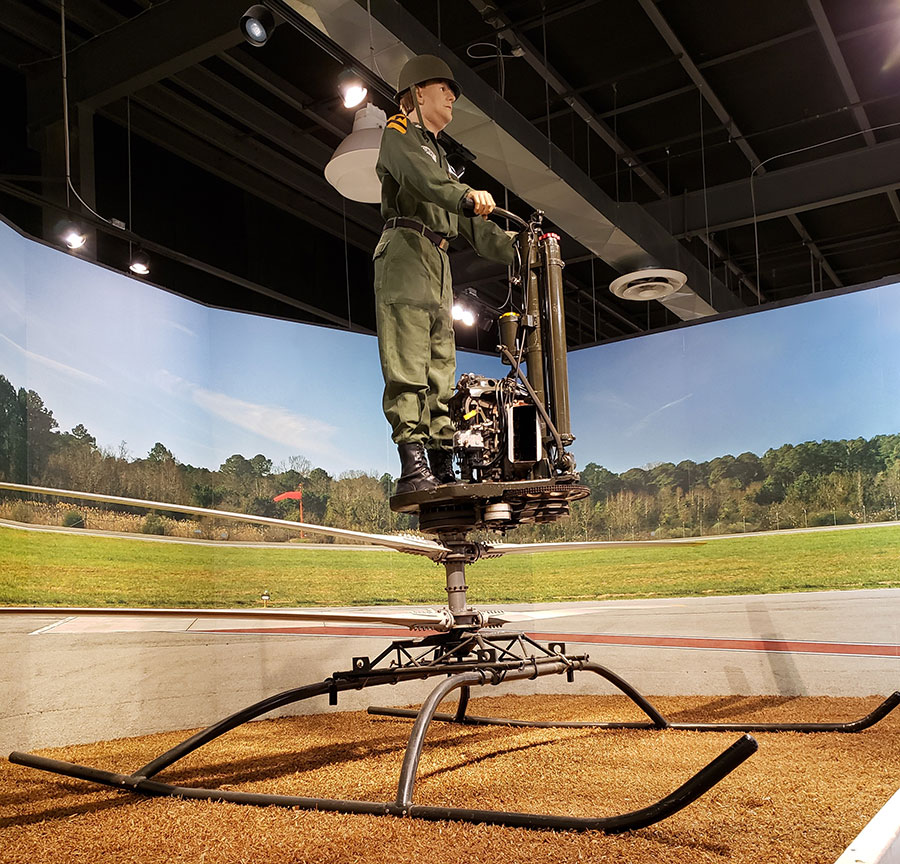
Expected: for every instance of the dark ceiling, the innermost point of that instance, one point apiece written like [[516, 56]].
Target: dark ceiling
[[660, 114]]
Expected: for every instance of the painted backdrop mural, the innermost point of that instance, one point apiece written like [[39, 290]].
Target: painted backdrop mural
[[112, 382]]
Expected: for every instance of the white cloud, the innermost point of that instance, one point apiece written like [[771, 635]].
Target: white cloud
[[53, 364], [173, 384], [303, 434], [178, 326], [13, 310], [644, 421]]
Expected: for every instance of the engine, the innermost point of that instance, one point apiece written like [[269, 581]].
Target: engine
[[499, 432]]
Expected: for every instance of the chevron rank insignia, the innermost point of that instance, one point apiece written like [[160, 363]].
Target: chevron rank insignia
[[399, 123]]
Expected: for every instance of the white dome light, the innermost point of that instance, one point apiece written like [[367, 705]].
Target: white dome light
[[352, 167]]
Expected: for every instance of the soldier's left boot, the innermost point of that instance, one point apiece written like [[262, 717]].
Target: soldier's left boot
[[441, 462], [415, 475]]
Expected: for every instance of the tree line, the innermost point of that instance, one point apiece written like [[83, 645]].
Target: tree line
[[802, 485]]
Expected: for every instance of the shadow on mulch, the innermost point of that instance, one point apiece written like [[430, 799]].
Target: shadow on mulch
[[801, 799]]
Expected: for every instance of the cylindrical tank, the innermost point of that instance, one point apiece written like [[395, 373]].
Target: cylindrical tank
[[534, 354], [509, 328], [557, 386]]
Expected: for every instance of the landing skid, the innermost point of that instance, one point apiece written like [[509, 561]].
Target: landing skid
[[464, 659], [497, 661]]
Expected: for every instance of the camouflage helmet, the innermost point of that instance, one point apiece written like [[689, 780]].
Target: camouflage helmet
[[425, 67]]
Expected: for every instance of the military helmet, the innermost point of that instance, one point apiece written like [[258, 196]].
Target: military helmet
[[425, 67]]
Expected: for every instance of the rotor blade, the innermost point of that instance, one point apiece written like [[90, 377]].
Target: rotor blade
[[413, 545], [494, 550], [431, 619], [496, 618]]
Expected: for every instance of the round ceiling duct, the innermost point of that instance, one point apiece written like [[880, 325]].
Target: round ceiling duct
[[651, 283]]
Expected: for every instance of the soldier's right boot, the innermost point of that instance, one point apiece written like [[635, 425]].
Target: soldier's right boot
[[441, 463], [415, 475]]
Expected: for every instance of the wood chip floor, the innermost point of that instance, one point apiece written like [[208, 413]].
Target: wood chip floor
[[800, 800]]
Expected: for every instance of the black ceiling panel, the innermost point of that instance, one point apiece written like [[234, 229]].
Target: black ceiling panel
[[228, 148], [713, 28]]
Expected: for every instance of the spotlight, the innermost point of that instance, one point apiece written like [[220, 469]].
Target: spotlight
[[463, 315], [140, 263], [72, 235], [351, 88], [257, 24]]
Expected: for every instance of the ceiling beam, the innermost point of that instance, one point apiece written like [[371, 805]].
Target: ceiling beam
[[847, 176], [266, 123], [167, 38], [218, 148], [502, 25], [285, 90], [154, 128], [33, 27], [539, 63], [852, 94], [264, 160], [521, 158], [662, 26]]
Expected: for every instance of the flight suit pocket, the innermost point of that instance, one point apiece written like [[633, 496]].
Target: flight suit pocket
[[408, 270], [382, 245]]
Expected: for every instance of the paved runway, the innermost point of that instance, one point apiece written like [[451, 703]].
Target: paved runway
[[76, 682]]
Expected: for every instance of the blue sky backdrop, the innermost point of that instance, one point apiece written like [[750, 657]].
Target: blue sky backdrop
[[136, 364]]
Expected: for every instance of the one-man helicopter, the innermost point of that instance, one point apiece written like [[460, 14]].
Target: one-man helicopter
[[510, 443], [509, 437]]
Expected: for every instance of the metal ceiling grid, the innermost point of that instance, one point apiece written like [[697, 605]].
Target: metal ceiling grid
[[667, 104]]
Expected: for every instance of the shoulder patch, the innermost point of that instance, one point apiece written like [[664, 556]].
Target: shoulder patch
[[399, 123]]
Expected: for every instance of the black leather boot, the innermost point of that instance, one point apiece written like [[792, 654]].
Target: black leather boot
[[441, 462], [415, 475]]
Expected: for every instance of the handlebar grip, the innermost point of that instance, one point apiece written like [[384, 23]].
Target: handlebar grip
[[468, 209]]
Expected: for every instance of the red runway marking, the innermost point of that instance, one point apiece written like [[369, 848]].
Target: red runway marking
[[765, 645], [775, 645]]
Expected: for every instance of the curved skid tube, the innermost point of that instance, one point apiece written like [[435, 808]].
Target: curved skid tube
[[659, 722], [689, 791], [141, 782], [226, 725], [866, 722], [462, 680]]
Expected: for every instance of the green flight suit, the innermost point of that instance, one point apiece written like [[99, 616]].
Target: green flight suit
[[413, 286]]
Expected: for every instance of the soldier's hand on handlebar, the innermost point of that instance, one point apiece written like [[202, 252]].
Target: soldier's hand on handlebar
[[483, 201]]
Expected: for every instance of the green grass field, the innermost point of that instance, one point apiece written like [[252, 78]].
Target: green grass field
[[64, 569]]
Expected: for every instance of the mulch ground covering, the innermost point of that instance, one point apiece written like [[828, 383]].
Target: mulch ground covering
[[801, 798]]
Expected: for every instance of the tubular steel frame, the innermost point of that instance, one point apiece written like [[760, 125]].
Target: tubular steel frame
[[465, 658]]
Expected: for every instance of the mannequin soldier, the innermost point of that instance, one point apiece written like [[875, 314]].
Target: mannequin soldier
[[421, 200]]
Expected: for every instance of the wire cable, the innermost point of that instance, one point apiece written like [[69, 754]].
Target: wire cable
[[372, 41], [67, 143], [496, 52], [793, 153]]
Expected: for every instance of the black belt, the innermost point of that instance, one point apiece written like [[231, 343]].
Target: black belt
[[400, 222]]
